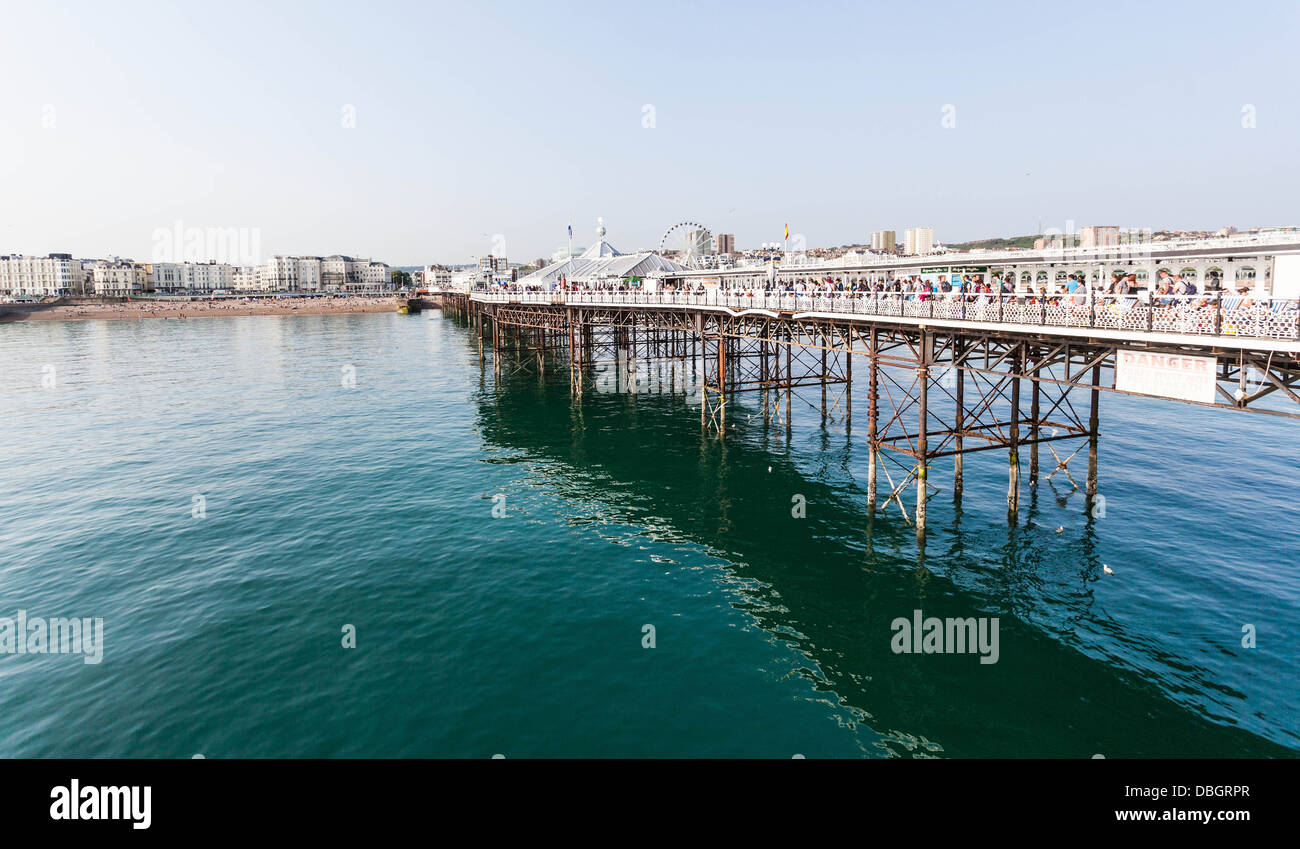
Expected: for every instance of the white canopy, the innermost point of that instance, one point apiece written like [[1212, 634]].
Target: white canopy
[[602, 262]]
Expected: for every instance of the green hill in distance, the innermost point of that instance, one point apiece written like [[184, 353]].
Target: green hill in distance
[[1019, 242]]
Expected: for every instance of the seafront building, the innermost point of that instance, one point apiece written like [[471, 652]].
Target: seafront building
[[437, 278], [291, 274], [170, 278], [377, 275], [59, 275], [119, 277], [337, 273], [347, 274], [247, 279], [41, 277]]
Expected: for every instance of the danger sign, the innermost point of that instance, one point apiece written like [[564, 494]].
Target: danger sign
[[1166, 375]]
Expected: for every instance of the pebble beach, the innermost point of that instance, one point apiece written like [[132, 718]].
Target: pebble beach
[[196, 309]]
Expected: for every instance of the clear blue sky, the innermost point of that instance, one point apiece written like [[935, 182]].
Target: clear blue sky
[[475, 121]]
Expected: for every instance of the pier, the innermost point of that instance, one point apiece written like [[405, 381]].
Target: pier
[[944, 377]]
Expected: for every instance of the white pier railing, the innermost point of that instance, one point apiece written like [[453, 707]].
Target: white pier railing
[[1211, 314]]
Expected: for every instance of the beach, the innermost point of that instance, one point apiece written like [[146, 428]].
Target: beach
[[197, 308]]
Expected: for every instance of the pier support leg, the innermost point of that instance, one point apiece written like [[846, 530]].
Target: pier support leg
[[1093, 421], [958, 423], [923, 397], [1013, 486], [496, 348], [848, 389], [789, 379], [722, 380], [823, 341], [1033, 430], [765, 375], [873, 412]]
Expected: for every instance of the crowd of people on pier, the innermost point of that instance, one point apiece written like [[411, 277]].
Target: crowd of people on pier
[[1171, 301], [1122, 289]]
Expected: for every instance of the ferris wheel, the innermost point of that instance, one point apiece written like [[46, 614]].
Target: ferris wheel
[[691, 241]]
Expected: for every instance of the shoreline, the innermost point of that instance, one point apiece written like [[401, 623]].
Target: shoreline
[[10, 313]]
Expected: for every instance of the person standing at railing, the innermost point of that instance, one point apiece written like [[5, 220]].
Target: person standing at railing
[[1124, 288], [1163, 289], [1175, 288], [1074, 291]]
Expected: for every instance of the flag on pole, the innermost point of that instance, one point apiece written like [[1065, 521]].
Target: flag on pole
[[570, 230], [787, 230]]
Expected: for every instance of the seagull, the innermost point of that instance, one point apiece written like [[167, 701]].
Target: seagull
[[1107, 569]]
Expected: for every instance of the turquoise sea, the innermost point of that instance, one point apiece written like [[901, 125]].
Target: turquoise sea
[[228, 494]]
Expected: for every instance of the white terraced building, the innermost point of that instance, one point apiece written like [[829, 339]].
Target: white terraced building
[[169, 278], [345, 274], [248, 280], [119, 278], [437, 278], [377, 275], [41, 277], [291, 274]]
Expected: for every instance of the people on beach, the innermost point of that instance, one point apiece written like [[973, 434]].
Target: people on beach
[[138, 308]]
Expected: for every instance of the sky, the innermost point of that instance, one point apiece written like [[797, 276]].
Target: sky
[[416, 133]]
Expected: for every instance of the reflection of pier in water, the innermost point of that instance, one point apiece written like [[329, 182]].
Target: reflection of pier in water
[[830, 584]]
